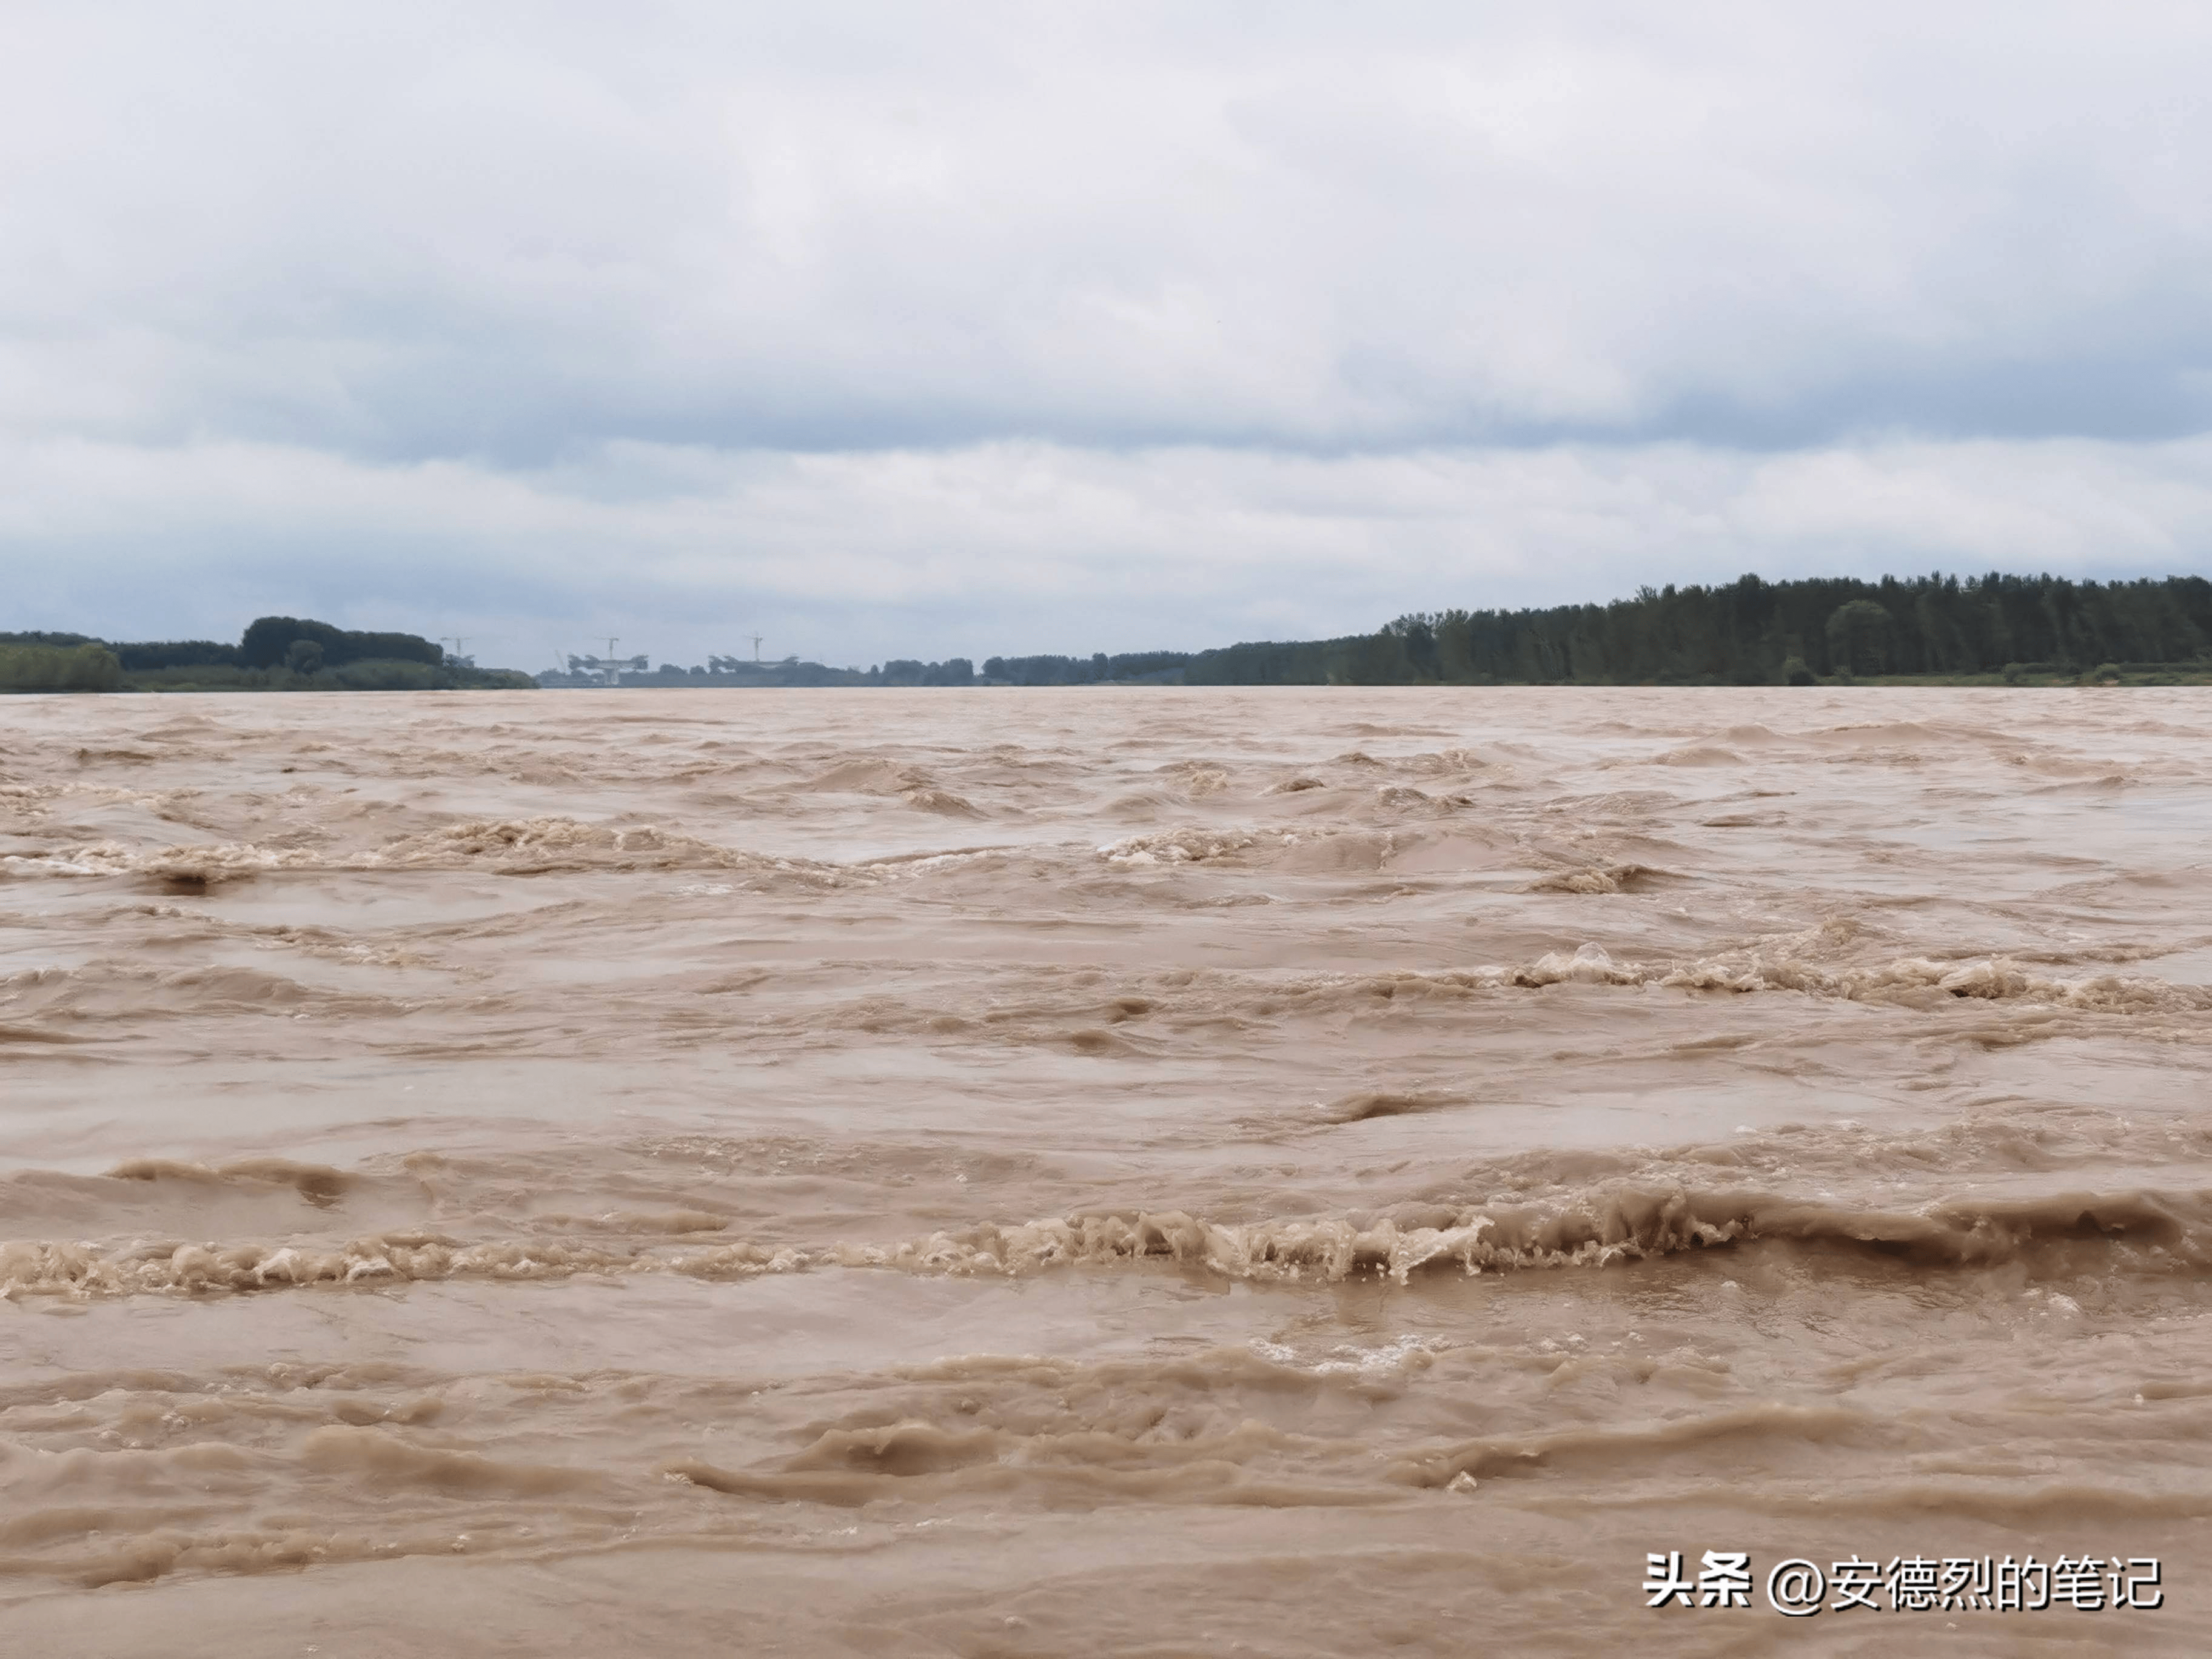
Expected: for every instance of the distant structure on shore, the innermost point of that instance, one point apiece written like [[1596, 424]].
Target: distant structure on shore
[[596, 670], [587, 673], [590, 673]]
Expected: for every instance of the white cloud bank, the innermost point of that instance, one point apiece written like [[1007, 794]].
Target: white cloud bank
[[922, 329]]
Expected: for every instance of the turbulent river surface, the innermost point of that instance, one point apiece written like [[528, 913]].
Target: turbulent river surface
[[1118, 1171]]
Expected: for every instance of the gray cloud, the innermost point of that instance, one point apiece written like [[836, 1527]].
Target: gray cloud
[[1106, 326]]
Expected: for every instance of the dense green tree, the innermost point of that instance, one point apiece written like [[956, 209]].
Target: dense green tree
[[1858, 637], [175, 653], [86, 667], [268, 640]]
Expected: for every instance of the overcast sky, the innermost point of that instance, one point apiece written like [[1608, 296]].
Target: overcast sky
[[916, 329]]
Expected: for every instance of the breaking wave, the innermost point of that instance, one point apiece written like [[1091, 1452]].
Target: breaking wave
[[1989, 979], [512, 847], [2165, 1231]]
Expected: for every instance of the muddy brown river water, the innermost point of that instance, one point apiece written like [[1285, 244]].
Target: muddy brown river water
[[1118, 1171]]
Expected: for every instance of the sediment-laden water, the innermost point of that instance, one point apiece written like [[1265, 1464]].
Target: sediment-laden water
[[1106, 1171]]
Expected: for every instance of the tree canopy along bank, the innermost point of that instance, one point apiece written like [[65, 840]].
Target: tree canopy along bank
[[1753, 632], [276, 654]]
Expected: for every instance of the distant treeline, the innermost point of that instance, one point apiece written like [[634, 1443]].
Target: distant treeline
[[270, 640], [1086, 670], [901, 670], [1753, 632], [274, 654], [1749, 632]]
